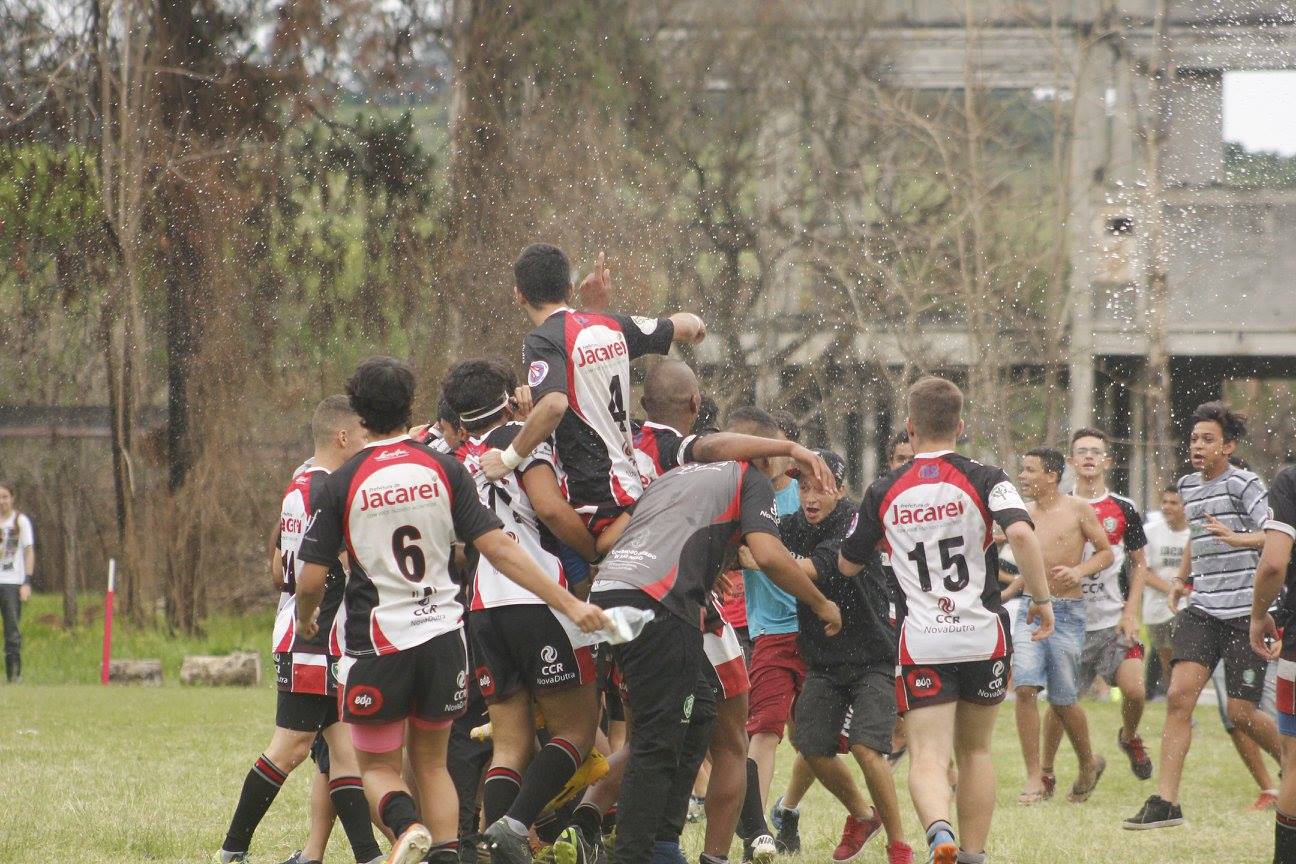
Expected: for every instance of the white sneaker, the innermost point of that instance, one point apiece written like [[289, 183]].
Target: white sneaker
[[411, 846]]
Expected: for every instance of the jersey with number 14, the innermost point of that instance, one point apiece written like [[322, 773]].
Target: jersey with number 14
[[932, 516], [587, 356]]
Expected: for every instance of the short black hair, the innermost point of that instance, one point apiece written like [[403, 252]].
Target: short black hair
[[1053, 461], [708, 419], [901, 437], [543, 274], [1171, 487], [474, 386], [787, 424], [382, 394], [756, 420], [445, 413], [1090, 432], [1233, 423]]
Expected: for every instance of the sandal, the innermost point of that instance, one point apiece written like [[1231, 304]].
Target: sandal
[[1029, 799], [1050, 785], [1080, 795]]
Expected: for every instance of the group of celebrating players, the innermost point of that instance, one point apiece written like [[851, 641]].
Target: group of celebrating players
[[533, 629]]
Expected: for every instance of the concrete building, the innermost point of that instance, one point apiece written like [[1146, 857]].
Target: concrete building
[[1231, 251]]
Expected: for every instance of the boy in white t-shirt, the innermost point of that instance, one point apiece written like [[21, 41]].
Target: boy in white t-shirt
[[17, 561], [1166, 539]]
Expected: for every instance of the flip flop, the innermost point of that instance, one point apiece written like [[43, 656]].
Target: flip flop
[[1078, 795], [1029, 799]]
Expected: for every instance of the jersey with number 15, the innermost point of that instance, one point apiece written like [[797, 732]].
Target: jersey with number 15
[[397, 507], [587, 356], [932, 516]]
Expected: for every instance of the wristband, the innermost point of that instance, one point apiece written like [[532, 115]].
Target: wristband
[[510, 458]]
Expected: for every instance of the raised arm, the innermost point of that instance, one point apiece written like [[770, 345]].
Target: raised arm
[[689, 328], [725, 446]]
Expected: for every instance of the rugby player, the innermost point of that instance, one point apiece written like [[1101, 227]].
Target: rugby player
[[526, 652], [933, 517], [397, 507], [1064, 525], [672, 400], [578, 369], [777, 673], [849, 674], [667, 561], [1113, 603], [304, 665], [1276, 571], [1227, 509]]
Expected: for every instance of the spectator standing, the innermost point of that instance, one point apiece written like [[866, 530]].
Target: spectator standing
[[17, 561]]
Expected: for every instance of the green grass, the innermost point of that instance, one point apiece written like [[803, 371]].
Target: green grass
[[53, 654], [109, 774]]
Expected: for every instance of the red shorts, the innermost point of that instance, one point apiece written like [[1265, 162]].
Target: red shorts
[[777, 675], [726, 655]]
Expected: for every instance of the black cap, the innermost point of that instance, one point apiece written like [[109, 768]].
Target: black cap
[[836, 465]]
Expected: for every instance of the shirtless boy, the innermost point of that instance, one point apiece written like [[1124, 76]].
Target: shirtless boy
[[1063, 524]]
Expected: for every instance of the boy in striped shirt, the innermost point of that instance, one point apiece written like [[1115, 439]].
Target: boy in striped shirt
[[1227, 508]]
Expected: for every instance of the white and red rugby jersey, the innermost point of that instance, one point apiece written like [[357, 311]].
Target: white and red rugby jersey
[[396, 508], [1105, 591], [932, 517], [294, 516], [587, 356], [507, 499]]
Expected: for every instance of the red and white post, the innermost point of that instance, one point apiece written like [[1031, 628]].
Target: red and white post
[[108, 618]]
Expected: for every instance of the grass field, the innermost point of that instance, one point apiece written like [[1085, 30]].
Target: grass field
[[95, 775]]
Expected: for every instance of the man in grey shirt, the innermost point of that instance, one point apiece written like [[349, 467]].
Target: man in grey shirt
[[1227, 508]]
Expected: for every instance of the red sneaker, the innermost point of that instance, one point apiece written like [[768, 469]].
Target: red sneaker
[[1139, 761], [899, 853], [856, 833]]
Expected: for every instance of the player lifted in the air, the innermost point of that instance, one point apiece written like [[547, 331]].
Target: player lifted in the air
[[578, 368]]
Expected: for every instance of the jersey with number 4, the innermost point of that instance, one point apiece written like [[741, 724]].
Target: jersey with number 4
[[587, 357], [932, 517], [397, 507]]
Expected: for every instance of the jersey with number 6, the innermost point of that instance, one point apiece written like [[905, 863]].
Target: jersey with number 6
[[397, 507], [933, 516], [587, 356]]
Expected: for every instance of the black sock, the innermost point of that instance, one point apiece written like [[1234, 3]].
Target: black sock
[[347, 794], [397, 811], [498, 793], [545, 777], [609, 820], [751, 822], [260, 787], [588, 820], [1284, 838]]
